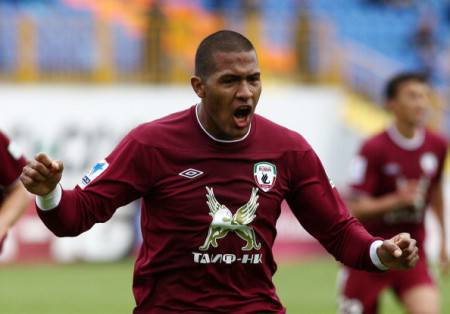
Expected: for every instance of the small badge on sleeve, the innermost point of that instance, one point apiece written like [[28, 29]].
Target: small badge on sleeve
[[96, 170]]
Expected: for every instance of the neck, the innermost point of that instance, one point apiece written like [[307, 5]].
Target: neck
[[207, 124], [210, 130], [406, 130]]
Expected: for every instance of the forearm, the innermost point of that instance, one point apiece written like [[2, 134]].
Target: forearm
[[367, 206], [437, 206], [14, 205], [342, 235], [440, 217], [351, 246], [72, 214]]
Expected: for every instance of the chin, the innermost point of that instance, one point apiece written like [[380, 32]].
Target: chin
[[237, 134]]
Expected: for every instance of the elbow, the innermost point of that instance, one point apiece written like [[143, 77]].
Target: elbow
[[61, 230], [65, 233], [357, 213], [357, 209]]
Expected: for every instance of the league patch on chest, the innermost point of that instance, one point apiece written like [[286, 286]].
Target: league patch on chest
[[265, 175]]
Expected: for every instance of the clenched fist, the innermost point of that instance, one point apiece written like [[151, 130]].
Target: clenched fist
[[42, 174]]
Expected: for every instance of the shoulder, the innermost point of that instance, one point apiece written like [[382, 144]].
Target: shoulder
[[374, 144], [157, 131], [4, 140], [281, 138], [436, 139]]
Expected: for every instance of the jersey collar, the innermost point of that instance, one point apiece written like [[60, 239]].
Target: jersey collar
[[406, 143], [213, 137]]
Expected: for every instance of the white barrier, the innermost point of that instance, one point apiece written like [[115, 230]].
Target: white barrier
[[81, 124]]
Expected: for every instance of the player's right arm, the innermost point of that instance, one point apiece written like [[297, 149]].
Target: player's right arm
[[364, 206], [364, 178], [71, 212], [42, 174]]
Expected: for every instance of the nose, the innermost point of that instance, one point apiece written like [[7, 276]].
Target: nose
[[244, 92]]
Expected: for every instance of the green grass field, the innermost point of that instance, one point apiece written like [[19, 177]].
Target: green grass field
[[307, 287]]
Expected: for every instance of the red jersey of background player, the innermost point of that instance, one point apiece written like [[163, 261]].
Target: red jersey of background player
[[209, 212], [388, 160], [11, 164]]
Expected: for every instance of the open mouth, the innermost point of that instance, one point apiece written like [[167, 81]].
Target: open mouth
[[242, 112], [242, 116]]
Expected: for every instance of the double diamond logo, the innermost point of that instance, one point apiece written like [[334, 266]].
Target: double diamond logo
[[190, 173]]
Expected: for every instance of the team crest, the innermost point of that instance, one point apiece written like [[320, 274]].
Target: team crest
[[429, 163], [224, 221], [265, 175]]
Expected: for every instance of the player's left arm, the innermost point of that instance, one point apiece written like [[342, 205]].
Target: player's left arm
[[437, 205], [16, 201], [319, 208]]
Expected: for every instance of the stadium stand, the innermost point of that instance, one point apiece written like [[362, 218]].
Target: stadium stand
[[357, 42]]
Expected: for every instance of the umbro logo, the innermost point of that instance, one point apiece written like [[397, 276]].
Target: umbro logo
[[190, 173]]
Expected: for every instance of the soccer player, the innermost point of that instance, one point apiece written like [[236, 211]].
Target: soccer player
[[212, 179], [14, 199], [395, 177]]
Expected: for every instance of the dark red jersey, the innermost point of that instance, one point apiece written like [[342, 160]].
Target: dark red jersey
[[209, 210], [388, 160], [11, 163]]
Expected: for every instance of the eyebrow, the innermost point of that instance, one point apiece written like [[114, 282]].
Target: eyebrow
[[232, 75]]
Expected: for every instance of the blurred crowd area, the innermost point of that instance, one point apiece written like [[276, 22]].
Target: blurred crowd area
[[356, 42]]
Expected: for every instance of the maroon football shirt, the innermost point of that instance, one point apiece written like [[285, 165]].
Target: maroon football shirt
[[386, 161], [11, 164], [209, 210]]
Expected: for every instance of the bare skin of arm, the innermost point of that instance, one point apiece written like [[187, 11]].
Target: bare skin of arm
[[16, 202], [437, 205], [365, 206]]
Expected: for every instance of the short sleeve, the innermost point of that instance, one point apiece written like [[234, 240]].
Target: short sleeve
[[363, 174], [12, 161]]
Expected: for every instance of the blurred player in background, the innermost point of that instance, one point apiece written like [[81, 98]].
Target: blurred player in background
[[14, 199], [212, 179], [395, 177]]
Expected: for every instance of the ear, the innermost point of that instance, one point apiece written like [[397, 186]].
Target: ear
[[390, 105], [197, 86]]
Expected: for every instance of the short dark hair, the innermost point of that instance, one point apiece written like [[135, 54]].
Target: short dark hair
[[394, 84], [221, 41]]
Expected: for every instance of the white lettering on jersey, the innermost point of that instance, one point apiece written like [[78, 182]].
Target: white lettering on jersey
[[392, 169], [205, 258]]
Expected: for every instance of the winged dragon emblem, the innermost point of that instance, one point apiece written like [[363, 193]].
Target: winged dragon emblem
[[224, 221]]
